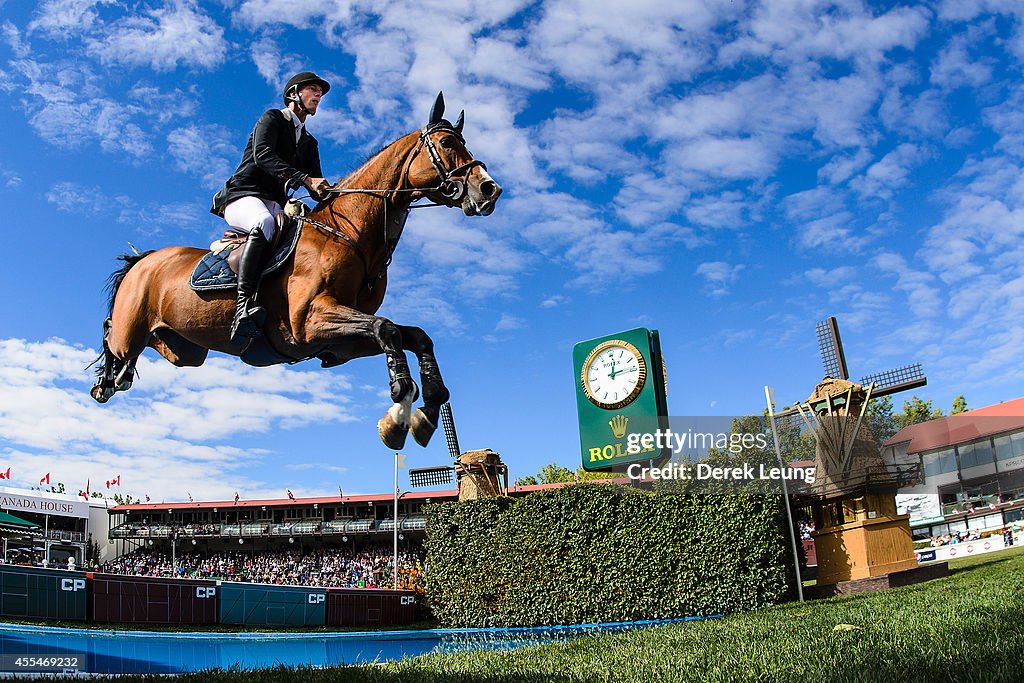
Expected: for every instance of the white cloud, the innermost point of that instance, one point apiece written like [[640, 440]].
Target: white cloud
[[175, 425], [509, 322], [150, 219], [718, 276], [63, 17], [921, 287], [955, 67], [68, 109], [204, 152], [9, 179], [178, 34], [891, 173], [830, 233], [274, 67], [723, 211], [12, 36], [793, 31]]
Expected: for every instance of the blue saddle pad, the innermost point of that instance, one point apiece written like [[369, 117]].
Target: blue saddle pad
[[212, 273]]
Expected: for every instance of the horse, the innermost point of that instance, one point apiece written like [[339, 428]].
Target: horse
[[322, 302]]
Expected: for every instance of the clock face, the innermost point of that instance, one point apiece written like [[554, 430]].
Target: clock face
[[613, 374]]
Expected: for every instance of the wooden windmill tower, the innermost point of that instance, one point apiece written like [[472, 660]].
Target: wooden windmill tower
[[858, 533], [480, 473]]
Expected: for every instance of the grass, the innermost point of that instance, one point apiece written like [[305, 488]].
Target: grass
[[966, 627]]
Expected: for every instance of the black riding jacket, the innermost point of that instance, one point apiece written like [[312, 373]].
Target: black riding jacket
[[272, 163]]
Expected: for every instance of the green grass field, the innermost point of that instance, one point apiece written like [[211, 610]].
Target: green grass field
[[966, 627]]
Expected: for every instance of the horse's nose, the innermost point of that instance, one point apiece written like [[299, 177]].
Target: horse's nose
[[490, 189]]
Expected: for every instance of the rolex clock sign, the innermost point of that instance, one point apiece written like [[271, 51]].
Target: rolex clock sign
[[620, 392]]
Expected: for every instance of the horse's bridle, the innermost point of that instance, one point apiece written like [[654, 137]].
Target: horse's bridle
[[452, 187], [453, 183]]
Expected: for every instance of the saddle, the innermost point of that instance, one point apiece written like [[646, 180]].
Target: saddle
[[218, 270]]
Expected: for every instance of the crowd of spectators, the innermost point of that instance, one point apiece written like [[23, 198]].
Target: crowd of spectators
[[323, 567], [959, 537]]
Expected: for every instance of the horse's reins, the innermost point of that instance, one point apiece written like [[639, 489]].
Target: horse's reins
[[451, 187]]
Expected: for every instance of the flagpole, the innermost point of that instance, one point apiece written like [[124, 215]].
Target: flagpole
[[770, 400], [394, 569]]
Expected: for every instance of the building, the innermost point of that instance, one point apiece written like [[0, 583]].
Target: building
[[66, 525], [972, 466], [278, 524]]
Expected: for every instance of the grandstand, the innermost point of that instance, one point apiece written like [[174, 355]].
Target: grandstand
[[303, 524], [350, 523]]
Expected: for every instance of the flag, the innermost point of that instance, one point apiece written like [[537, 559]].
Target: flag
[[400, 458], [236, 497], [147, 497], [340, 494], [290, 494], [190, 497], [116, 481], [6, 475], [85, 493], [45, 480]]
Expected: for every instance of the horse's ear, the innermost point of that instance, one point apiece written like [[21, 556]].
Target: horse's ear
[[460, 122], [437, 113]]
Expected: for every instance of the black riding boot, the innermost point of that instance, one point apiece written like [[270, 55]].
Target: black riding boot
[[249, 318]]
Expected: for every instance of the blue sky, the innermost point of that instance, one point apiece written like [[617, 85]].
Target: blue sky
[[726, 172]]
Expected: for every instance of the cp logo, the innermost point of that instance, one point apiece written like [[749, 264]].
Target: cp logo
[[72, 585], [408, 600], [316, 598], [205, 591]]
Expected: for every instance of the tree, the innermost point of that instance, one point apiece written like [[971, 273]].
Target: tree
[[916, 411], [795, 442], [880, 419], [556, 474], [959, 405], [125, 499]]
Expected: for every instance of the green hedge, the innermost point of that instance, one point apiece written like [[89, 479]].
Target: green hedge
[[596, 552]]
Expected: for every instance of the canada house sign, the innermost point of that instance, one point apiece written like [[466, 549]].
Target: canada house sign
[[620, 390]]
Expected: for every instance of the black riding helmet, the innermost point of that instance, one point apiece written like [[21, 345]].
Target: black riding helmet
[[304, 78]]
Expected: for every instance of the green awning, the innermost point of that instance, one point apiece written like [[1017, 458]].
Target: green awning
[[11, 520]]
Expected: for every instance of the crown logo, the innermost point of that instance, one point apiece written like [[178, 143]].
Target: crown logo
[[618, 425]]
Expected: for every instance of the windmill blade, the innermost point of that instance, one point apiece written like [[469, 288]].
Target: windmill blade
[[898, 379], [430, 476], [448, 422], [831, 346]]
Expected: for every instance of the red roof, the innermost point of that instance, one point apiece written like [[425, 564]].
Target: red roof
[[328, 500], [956, 429]]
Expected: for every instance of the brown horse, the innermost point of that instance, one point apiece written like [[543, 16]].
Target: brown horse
[[321, 304]]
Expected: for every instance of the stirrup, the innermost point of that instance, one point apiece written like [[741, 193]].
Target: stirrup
[[247, 323]]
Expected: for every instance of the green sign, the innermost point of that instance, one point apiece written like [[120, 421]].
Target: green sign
[[620, 395]]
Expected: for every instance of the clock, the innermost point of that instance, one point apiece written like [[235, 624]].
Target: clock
[[613, 374]]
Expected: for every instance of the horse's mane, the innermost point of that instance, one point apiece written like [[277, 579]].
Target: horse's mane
[[345, 179], [115, 279]]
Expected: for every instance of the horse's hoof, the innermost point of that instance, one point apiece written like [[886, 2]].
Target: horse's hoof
[[100, 395], [391, 433], [123, 386], [421, 427]]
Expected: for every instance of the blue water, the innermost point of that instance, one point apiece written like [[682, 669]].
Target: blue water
[[115, 652]]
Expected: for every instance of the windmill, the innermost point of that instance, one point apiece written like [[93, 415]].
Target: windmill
[[858, 532], [483, 467], [847, 458]]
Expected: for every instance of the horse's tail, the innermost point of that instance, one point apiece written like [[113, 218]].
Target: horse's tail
[[117, 277]]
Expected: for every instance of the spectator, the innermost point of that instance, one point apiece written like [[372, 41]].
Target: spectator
[[323, 567]]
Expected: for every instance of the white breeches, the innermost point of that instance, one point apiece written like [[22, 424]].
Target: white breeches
[[246, 213]]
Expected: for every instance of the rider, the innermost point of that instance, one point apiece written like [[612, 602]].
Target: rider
[[280, 156]]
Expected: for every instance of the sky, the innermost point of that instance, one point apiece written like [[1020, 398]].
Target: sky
[[726, 172]]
